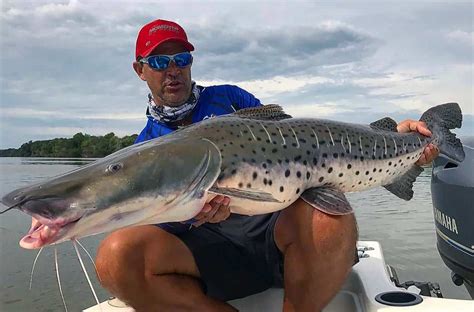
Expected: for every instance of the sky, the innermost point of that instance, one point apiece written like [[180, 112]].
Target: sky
[[66, 66]]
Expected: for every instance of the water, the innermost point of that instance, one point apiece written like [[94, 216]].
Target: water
[[405, 229]]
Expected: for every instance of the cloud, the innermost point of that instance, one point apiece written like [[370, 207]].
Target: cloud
[[272, 88], [274, 51], [67, 57], [67, 64], [461, 37], [45, 114]]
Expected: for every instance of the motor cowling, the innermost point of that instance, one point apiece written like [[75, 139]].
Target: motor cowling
[[452, 191]]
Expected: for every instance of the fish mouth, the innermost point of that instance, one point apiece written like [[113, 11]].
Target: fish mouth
[[44, 231], [53, 217]]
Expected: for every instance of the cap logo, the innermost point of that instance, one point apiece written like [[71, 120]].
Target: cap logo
[[163, 27]]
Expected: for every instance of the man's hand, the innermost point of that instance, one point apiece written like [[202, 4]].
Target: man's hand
[[215, 211], [431, 151]]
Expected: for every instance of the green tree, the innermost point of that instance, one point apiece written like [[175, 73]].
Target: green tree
[[80, 145]]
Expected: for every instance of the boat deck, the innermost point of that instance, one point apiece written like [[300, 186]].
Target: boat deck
[[368, 279]]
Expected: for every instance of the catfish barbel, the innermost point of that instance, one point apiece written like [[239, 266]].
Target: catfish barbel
[[261, 158]]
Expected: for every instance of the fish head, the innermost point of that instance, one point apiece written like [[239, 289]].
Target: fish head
[[125, 188]]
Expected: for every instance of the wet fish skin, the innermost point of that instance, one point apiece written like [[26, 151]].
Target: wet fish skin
[[288, 157], [259, 157], [147, 182]]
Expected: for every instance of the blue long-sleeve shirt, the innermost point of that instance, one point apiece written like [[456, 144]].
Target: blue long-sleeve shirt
[[213, 101]]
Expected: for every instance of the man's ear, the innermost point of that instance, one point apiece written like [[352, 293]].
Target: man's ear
[[138, 67]]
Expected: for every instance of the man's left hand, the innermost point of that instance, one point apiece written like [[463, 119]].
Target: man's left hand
[[215, 211], [431, 151]]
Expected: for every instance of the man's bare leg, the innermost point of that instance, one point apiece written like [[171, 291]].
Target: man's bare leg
[[152, 270], [319, 253]]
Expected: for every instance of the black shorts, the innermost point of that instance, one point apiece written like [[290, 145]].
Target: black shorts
[[237, 257]]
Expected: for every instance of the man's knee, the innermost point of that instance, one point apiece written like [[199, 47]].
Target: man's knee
[[116, 256], [131, 254], [318, 250], [338, 230], [303, 224]]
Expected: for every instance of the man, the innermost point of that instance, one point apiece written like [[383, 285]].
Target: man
[[175, 267]]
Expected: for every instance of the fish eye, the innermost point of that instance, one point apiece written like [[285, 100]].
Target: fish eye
[[112, 168]]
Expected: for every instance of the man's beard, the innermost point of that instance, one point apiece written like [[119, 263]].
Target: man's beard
[[174, 113]]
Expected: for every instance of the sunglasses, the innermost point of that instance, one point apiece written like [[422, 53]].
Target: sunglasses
[[162, 61]]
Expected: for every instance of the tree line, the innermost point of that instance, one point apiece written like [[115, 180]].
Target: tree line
[[79, 146]]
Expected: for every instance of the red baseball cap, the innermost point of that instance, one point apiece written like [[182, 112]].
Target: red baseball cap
[[155, 33]]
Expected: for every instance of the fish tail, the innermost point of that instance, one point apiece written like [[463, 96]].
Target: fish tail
[[439, 120]]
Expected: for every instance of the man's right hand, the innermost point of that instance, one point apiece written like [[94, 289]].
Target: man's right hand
[[215, 211]]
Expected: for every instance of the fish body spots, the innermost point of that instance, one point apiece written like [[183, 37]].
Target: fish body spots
[[296, 153]]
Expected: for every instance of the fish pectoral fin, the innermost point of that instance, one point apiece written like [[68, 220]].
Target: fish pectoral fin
[[247, 194], [265, 112], [403, 186], [387, 124], [327, 199]]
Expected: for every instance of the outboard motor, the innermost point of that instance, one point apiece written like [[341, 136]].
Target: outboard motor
[[452, 191]]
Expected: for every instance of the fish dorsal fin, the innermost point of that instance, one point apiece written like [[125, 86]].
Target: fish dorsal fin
[[265, 112], [403, 186], [386, 123], [328, 200]]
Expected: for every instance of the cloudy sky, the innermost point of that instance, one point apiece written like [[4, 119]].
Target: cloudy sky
[[66, 65]]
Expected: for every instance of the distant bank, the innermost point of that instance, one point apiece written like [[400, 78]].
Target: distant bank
[[79, 146]]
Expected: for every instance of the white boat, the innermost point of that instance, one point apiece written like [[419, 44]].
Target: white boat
[[370, 287]]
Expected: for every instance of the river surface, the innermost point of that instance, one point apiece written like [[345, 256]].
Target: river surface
[[405, 229]]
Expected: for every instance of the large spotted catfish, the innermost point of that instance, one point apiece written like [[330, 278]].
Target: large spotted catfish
[[261, 158]]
